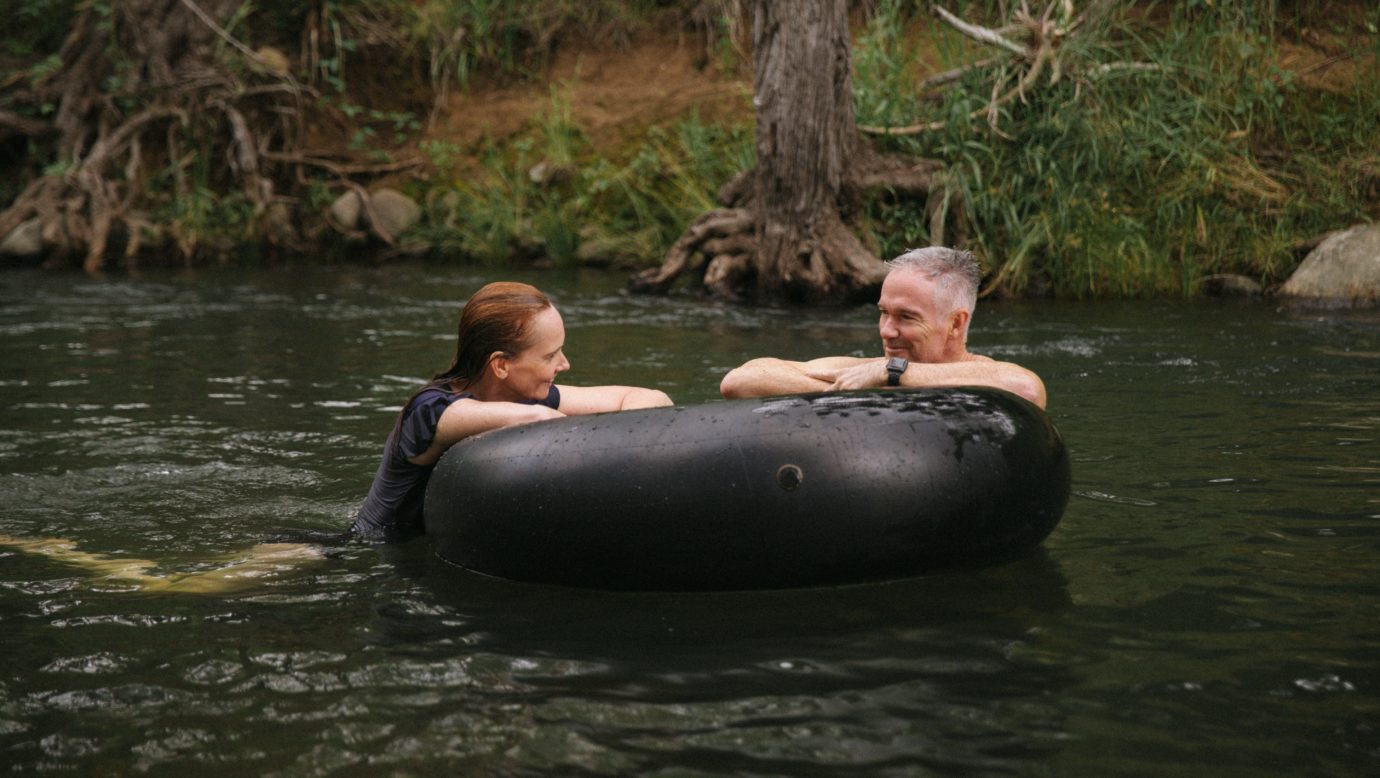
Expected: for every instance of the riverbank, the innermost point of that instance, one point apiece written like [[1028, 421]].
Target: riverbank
[[1162, 151]]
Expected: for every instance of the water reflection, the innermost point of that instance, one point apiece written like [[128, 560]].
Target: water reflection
[[746, 681], [573, 621]]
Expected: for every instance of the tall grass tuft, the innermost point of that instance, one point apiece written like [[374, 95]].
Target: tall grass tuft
[[1125, 181], [551, 197]]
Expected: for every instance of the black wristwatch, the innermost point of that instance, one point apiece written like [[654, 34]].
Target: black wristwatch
[[895, 366]]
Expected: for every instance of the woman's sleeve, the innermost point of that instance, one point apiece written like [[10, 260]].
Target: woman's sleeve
[[553, 399], [419, 426]]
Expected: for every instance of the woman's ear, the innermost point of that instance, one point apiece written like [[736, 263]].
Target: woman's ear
[[498, 365]]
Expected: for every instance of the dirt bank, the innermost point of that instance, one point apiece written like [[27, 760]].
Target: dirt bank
[[614, 94]]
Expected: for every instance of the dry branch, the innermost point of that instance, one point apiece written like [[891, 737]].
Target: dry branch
[[981, 34], [950, 76], [1040, 55], [11, 122], [248, 53], [341, 169]]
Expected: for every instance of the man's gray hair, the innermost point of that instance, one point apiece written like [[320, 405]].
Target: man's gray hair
[[955, 272]]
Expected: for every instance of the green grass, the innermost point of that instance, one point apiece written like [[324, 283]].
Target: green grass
[[1141, 182], [633, 203]]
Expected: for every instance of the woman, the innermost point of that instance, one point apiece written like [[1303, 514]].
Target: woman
[[507, 355]]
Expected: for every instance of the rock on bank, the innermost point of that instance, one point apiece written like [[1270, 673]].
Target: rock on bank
[[1344, 270]]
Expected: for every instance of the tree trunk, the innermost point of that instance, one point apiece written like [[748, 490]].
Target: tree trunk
[[805, 139], [782, 237]]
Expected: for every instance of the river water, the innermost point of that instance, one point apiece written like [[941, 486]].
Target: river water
[[1209, 605]]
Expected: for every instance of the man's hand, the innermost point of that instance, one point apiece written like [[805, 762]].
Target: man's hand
[[867, 375]]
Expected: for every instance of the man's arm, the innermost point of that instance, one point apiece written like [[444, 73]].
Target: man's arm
[[979, 371], [767, 376], [985, 372]]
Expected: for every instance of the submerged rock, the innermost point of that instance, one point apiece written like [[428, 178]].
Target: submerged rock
[[1231, 285], [1343, 270], [598, 252]]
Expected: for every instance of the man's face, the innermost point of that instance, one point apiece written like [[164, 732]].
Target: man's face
[[913, 325]]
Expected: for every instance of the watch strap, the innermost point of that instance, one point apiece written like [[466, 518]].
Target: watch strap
[[895, 367]]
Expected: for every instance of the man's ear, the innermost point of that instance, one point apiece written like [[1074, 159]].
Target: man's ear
[[498, 365], [958, 323]]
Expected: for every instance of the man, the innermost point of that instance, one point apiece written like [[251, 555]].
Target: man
[[926, 304]]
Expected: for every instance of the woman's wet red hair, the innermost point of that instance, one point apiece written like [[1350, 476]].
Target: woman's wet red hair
[[497, 319]]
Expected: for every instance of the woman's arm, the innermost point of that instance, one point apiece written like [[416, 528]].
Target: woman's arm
[[470, 417], [581, 400]]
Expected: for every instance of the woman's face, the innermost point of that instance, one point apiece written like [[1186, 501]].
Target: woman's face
[[532, 371]]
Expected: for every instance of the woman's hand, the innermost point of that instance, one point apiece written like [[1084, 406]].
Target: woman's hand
[[581, 400], [637, 397]]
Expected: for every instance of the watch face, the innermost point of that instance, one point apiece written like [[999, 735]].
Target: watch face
[[895, 366]]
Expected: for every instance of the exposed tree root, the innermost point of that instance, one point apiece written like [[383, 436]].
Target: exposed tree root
[[718, 250], [827, 264], [192, 120], [714, 230]]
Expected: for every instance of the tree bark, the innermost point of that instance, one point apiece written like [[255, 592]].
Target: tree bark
[[803, 91]]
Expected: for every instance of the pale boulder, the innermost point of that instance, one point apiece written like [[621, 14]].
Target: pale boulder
[[392, 213], [26, 240], [1343, 270], [345, 211]]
